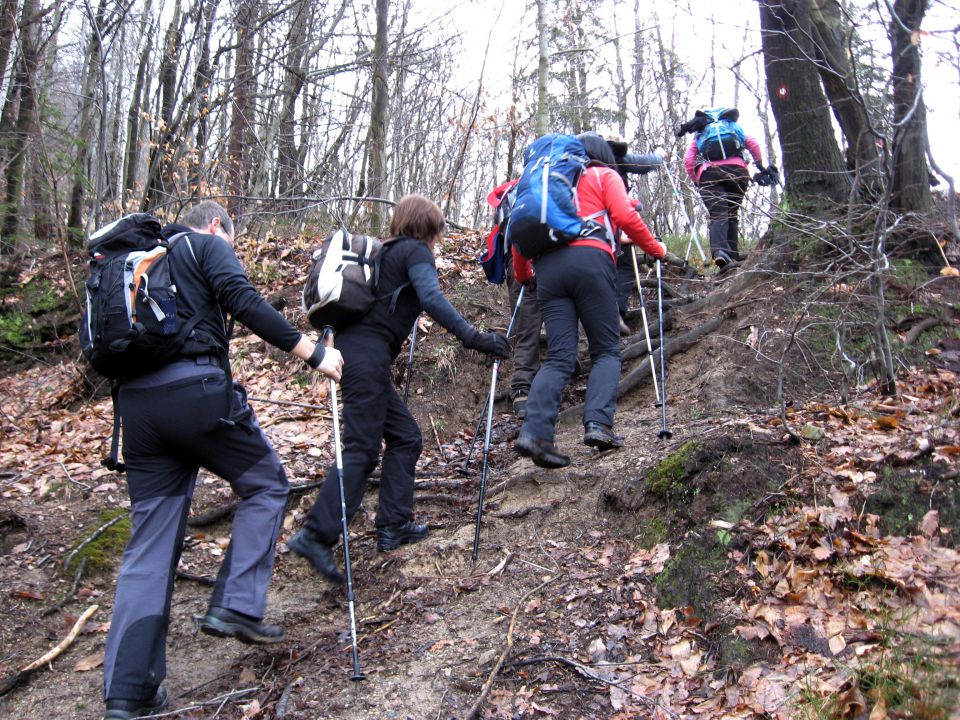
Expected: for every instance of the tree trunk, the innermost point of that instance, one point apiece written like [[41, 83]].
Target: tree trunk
[[377, 136], [290, 174], [84, 138], [138, 101], [831, 35], [543, 69], [207, 13], [811, 158], [240, 133], [24, 78], [910, 183], [159, 173]]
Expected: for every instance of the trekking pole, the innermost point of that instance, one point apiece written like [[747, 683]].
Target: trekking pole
[[486, 438], [476, 432], [664, 434], [357, 675], [694, 238], [646, 328], [413, 345]]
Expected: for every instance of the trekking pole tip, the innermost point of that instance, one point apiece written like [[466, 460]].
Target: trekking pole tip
[[357, 677], [665, 434]]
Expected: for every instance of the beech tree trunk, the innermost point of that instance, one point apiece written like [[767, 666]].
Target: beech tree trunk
[[377, 137], [910, 182], [240, 121], [811, 157]]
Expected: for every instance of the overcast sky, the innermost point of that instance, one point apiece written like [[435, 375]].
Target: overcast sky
[[504, 21]]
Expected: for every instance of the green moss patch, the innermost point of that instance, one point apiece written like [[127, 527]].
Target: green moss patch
[[102, 553]]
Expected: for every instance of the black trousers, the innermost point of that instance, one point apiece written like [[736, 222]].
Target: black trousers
[[722, 188], [576, 285], [171, 428], [373, 413]]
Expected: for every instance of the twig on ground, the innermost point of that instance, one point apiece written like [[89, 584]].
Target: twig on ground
[[307, 406], [219, 700], [921, 327], [474, 711], [202, 579], [11, 681], [220, 512], [502, 565], [96, 533], [69, 596], [66, 472], [281, 709]]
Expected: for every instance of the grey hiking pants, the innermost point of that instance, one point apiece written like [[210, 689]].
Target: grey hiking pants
[[171, 428], [525, 334], [576, 284]]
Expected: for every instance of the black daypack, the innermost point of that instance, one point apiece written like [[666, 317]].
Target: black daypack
[[131, 325], [342, 281]]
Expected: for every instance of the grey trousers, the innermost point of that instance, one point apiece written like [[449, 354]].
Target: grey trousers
[[171, 427], [576, 284]]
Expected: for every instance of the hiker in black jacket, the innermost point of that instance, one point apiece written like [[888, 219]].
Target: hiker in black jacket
[[180, 418], [372, 409]]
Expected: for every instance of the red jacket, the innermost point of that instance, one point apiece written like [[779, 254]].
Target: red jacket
[[601, 189]]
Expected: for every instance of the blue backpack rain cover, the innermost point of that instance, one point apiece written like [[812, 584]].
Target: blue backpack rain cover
[[544, 215], [722, 137]]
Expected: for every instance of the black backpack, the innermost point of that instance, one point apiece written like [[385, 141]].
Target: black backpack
[[131, 325]]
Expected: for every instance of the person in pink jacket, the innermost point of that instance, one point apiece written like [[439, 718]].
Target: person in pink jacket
[[723, 183], [576, 285]]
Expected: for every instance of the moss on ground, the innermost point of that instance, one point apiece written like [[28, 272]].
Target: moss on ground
[[665, 479], [102, 553]]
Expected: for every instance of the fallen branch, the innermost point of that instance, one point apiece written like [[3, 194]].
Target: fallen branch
[[96, 533], [220, 700], [474, 711], [11, 681], [202, 579], [921, 327], [642, 371], [523, 512], [213, 515], [284, 700]]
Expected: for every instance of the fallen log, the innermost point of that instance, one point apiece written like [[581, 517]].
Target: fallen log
[[641, 371]]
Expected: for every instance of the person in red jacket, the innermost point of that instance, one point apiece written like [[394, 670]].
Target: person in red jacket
[[576, 284]]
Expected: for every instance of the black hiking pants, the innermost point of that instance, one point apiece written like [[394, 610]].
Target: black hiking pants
[[722, 188], [172, 427], [525, 334], [373, 413], [576, 284]]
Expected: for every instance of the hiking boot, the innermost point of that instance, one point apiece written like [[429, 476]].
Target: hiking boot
[[543, 452], [520, 406], [625, 330], [223, 622], [307, 545], [390, 537], [600, 436], [126, 709], [721, 259]]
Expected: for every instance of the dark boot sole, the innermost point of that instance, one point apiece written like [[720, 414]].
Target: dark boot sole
[[222, 629], [334, 576], [540, 458], [387, 547], [601, 443]]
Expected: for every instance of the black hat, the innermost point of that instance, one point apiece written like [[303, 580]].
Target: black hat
[[597, 149]]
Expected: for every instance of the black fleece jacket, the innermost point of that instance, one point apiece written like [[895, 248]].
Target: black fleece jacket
[[210, 280]]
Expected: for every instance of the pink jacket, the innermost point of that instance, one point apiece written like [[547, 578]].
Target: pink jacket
[[695, 169]]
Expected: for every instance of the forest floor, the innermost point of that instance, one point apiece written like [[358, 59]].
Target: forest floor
[[728, 571]]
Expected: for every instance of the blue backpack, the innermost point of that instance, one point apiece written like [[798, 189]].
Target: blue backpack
[[544, 215], [721, 136]]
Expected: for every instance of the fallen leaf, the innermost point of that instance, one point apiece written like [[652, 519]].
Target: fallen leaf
[[879, 711], [930, 523], [89, 662], [247, 676], [886, 422]]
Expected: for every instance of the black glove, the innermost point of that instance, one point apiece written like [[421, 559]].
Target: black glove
[[489, 343], [671, 259]]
